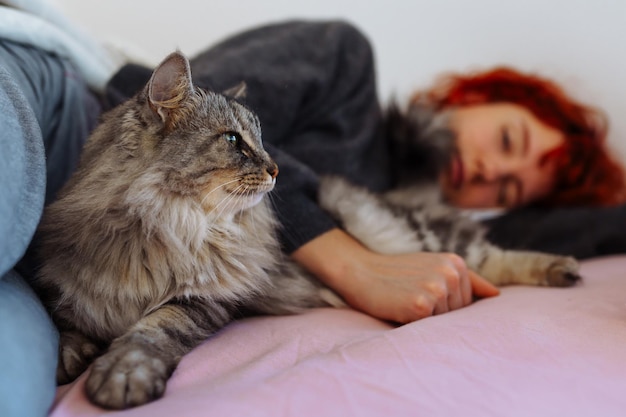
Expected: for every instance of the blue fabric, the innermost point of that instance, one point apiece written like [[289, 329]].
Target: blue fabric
[[28, 339], [28, 351], [22, 172], [65, 109]]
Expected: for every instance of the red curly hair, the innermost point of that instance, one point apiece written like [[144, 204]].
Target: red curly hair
[[586, 173]]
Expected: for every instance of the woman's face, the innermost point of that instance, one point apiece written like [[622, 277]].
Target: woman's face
[[499, 148]]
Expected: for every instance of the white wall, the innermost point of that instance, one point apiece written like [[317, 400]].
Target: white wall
[[581, 43]]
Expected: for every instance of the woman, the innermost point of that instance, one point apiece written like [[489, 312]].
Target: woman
[[520, 140]]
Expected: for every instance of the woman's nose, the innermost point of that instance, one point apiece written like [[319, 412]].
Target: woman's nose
[[488, 171]]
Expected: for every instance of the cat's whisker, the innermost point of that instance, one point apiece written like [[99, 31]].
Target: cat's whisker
[[232, 202], [227, 200], [253, 223], [217, 188], [228, 196], [272, 198], [246, 194], [219, 209]]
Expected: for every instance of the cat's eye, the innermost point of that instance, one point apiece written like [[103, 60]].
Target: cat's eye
[[232, 137]]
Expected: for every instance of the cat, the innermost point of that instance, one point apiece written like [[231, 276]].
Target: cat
[[163, 236], [415, 219]]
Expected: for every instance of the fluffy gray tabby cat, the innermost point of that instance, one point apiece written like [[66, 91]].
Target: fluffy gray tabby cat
[[162, 237], [413, 219]]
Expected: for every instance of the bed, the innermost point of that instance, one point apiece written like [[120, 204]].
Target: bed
[[528, 352]]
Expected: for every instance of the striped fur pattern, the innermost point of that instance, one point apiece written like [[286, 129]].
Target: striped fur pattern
[[162, 237], [413, 219]]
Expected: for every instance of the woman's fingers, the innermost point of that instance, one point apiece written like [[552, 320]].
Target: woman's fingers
[[460, 286], [451, 290], [481, 287]]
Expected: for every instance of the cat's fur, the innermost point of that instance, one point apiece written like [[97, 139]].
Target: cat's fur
[[163, 236]]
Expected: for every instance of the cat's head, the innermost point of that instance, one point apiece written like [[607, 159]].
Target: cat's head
[[195, 143]]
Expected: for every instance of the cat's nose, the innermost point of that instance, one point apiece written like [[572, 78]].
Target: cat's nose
[[273, 170]]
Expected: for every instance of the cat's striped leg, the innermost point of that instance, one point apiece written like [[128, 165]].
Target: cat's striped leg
[[510, 267], [137, 365]]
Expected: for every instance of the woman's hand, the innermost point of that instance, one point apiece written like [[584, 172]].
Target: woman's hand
[[400, 288]]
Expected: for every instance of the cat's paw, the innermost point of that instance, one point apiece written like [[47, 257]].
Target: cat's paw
[[76, 351], [125, 377], [563, 272]]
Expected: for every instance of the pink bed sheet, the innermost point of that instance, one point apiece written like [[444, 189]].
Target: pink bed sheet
[[528, 352]]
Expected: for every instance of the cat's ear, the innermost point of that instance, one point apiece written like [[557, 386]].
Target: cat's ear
[[237, 92], [169, 87]]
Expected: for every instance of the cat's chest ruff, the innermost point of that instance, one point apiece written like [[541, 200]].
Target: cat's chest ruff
[[231, 261]]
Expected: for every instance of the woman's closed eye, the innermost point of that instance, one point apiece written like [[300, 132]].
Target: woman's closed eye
[[515, 139], [505, 138]]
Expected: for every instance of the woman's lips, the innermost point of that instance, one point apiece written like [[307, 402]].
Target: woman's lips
[[456, 171]]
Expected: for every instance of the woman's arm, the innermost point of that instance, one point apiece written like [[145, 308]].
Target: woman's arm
[[400, 288]]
